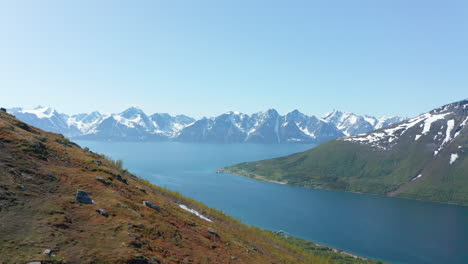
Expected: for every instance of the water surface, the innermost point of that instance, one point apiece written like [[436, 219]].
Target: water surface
[[389, 229]]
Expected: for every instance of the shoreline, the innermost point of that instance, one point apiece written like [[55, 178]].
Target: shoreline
[[264, 179]]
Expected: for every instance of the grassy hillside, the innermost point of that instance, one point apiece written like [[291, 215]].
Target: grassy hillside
[[348, 166], [41, 219]]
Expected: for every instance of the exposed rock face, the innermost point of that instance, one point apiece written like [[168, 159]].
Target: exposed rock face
[[212, 231], [102, 212], [83, 197], [152, 205], [100, 179]]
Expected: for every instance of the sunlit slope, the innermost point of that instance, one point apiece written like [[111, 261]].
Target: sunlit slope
[[421, 158], [118, 217]]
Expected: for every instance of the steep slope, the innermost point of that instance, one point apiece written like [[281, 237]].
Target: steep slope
[[423, 158], [63, 204]]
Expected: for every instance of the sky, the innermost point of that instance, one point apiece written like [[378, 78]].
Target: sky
[[203, 58]]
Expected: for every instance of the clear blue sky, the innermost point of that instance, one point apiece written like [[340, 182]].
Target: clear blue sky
[[206, 57]]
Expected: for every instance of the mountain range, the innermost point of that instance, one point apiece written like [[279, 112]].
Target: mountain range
[[60, 203], [231, 127], [424, 157]]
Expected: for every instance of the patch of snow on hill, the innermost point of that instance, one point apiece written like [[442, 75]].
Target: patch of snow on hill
[[417, 177], [431, 119], [453, 158], [195, 212]]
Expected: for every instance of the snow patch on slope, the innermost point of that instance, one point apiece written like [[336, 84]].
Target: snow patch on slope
[[195, 212], [453, 158], [417, 177]]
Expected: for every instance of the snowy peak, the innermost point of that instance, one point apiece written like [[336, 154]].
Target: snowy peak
[[85, 123], [46, 118], [261, 127], [352, 124], [168, 125], [460, 107], [435, 129], [134, 117], [40, 111], [132, 113]]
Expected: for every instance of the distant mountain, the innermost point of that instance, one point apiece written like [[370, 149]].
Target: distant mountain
[[85, 123], [262, 127], [352, 124], [130, 125], [47, 118], [168, 125], [424, 158], [231, 127]]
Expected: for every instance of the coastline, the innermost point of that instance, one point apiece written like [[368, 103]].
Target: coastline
[[265, 179]]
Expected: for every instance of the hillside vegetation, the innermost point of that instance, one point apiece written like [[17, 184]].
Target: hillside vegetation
[[118, 217]]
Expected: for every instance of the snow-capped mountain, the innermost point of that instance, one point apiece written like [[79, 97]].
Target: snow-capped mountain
[[227, 128], [46, 118], [437, 129], [85, 123], [262, 127], [231, 127], [168, 125], [131, 124], [352, 124]]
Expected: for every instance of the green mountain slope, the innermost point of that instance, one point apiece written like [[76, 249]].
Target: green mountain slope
[[421, 158]]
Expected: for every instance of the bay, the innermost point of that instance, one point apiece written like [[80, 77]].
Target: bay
[[389, 229]]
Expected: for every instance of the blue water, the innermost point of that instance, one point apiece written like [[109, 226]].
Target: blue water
[[388, 229]]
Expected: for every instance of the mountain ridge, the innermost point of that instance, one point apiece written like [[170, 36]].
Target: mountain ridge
[[268, 127]]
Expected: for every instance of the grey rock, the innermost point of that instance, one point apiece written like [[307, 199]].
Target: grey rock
[[152, 205], [122, 179], [282, 233], [83, 197], [100, 179], [212, 231], [102, 212]]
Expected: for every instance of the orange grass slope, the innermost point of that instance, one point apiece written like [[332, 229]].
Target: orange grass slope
[[41, 220]]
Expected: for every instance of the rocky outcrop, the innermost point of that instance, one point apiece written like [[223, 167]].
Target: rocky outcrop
[[83, 197]]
